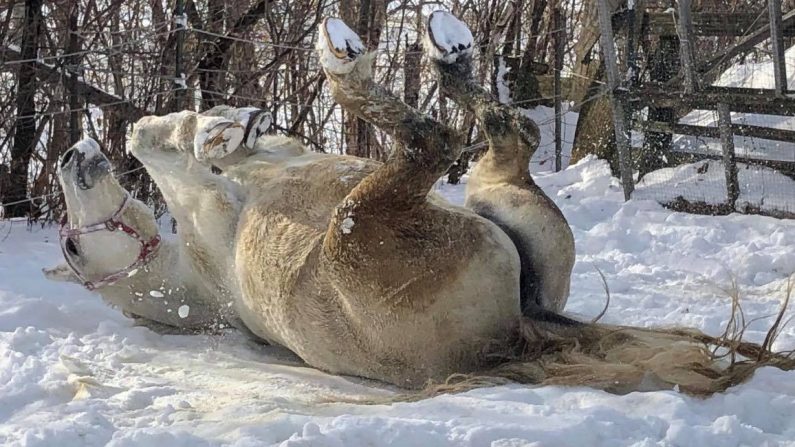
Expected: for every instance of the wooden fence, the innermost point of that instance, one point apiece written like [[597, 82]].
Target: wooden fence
[[687, 89]]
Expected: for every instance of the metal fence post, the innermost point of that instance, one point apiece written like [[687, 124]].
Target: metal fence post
[[729, 159], [613, 81]]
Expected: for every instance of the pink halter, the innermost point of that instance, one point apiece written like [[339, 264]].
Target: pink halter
[[112, 223]]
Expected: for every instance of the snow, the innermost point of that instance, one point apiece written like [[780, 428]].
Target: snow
[[451, 37], [183, 311], [503, 90], [181, 20], [347, 225], [544, 157], [74, 372], [705, 181]]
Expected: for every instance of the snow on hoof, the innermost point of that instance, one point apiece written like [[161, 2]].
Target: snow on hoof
[[217, 138], [339, 46], [447, 37]]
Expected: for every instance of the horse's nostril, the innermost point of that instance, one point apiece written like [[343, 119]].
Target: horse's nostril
[[67, 157], [71, 247]]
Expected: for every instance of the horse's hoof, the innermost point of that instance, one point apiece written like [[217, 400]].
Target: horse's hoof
[[447, 38], [257, 122], [339, 46], [218, 139]]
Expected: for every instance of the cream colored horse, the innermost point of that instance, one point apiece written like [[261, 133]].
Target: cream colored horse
[[349, 263], [353, 264]]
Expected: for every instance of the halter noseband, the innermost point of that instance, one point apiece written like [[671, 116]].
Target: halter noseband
[[112, 223]]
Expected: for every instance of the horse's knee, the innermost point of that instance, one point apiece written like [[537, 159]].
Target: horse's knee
[[430, 146]]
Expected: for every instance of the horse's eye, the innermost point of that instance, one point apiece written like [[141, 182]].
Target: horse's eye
[[71, 247]]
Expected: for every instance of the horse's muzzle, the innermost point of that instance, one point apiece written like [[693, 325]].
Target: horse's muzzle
[[84, 164]]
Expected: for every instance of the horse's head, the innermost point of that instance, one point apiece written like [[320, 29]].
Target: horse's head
[[106, 235]]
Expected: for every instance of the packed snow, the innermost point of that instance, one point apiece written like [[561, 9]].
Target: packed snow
[[705, 181], [74, 372]]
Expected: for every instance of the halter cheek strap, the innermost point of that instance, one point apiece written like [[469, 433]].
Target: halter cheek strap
[[113, 223]]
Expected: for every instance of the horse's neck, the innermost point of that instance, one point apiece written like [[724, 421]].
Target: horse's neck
[[162, 272], [158, 290]]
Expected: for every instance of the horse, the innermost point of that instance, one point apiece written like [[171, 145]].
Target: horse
[[354, 265]]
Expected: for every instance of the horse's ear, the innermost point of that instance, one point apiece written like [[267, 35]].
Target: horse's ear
[[61, 272]]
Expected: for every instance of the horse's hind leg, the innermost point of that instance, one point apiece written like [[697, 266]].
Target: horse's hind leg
[[386, 221], [423, 150], [410, 271], [500, 187]]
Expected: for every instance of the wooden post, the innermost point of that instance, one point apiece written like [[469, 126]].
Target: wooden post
[[684, 27], [658, 145], [613, 81], [729, 159], [560, 42], [777, 40]]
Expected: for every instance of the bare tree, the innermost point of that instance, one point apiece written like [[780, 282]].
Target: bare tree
[[25, 125]]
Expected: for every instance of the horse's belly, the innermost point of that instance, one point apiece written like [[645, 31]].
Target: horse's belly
[[273, 255]]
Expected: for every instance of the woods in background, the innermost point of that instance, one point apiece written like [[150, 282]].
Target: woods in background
[[75, 68]]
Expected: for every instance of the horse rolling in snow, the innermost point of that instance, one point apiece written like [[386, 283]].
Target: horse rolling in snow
[[352, 264]]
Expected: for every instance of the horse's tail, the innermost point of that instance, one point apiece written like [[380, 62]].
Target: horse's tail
[[552, 349]]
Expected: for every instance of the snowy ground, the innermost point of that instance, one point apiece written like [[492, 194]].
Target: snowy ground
[[664, 268], [705, 181]]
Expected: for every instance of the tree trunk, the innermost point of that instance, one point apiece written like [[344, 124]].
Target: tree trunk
[[211, 66], [72, 65], [213, 62], [664, 64], [594, 133], [367, 18], [526, 89], [25, 129], [411, 77], [584, 54]]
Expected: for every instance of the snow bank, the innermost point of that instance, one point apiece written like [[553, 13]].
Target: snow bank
[[74, 372]]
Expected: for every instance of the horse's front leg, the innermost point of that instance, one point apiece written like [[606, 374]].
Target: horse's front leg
[[256, 122], [174, 149]]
